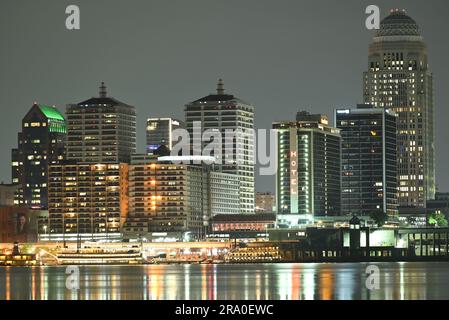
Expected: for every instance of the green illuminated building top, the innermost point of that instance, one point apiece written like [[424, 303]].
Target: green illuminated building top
[[56, 120], [51, 112]]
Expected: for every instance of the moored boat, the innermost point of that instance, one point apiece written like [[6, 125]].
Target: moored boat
[[99, 256]]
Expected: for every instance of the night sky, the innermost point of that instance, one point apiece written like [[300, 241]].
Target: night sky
[[281, 56]]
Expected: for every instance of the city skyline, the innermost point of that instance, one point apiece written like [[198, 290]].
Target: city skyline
[[239, 78], [220, 156]]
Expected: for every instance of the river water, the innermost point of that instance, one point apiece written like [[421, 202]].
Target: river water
[[402, 280]]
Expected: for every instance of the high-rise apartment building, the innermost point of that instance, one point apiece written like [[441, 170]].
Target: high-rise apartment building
[[176, 199], [308, 174], [368, 159], [101, 130], [226, 114], [160, 132], [40, 144], [88, 193], [87, 201], [399, 78]]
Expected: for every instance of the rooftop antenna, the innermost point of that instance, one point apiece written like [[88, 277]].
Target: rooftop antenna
[[220, 87], [102, 90]]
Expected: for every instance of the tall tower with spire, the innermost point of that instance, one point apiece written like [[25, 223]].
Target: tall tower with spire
[[101, 130], [399, 78], [101, 136], [225, 112]]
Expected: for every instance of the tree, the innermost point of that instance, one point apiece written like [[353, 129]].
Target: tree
[[437, 219], [379, 217]]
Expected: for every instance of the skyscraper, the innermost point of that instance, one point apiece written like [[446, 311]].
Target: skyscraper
[[159, 132], [101, 130], [88, 192], [399, 78], [308, 176], [40, 144], [368, 155], [225, 113]]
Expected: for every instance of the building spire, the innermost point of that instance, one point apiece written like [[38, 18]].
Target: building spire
[[103, 90], [220, 86]]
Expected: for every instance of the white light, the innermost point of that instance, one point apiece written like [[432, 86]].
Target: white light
[[187, 158]]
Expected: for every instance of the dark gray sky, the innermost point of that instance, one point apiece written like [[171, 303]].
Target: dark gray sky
[[158, 55]]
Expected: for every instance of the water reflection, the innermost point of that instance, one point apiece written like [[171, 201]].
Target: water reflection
[[211, 282]]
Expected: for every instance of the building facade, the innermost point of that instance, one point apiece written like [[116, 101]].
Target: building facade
[[308, 174], [87, 201], [176, 199], [101, 130], [369, 164], [242, 227], [226, 114], [223, 192], [399, 78], [40, 144], [160, 132]]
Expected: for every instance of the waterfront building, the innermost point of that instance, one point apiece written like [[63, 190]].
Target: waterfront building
[[40, 144], [399, 78], [101, 130], [369, 166], [413, 217], [358, 243], [441, 203], [87, 201], [265, 202], [243, 227], [160, 132], [226, 113], [173, 201], [308, 174]]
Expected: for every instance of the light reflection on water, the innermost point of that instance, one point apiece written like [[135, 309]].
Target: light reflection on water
[[212, 282]]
